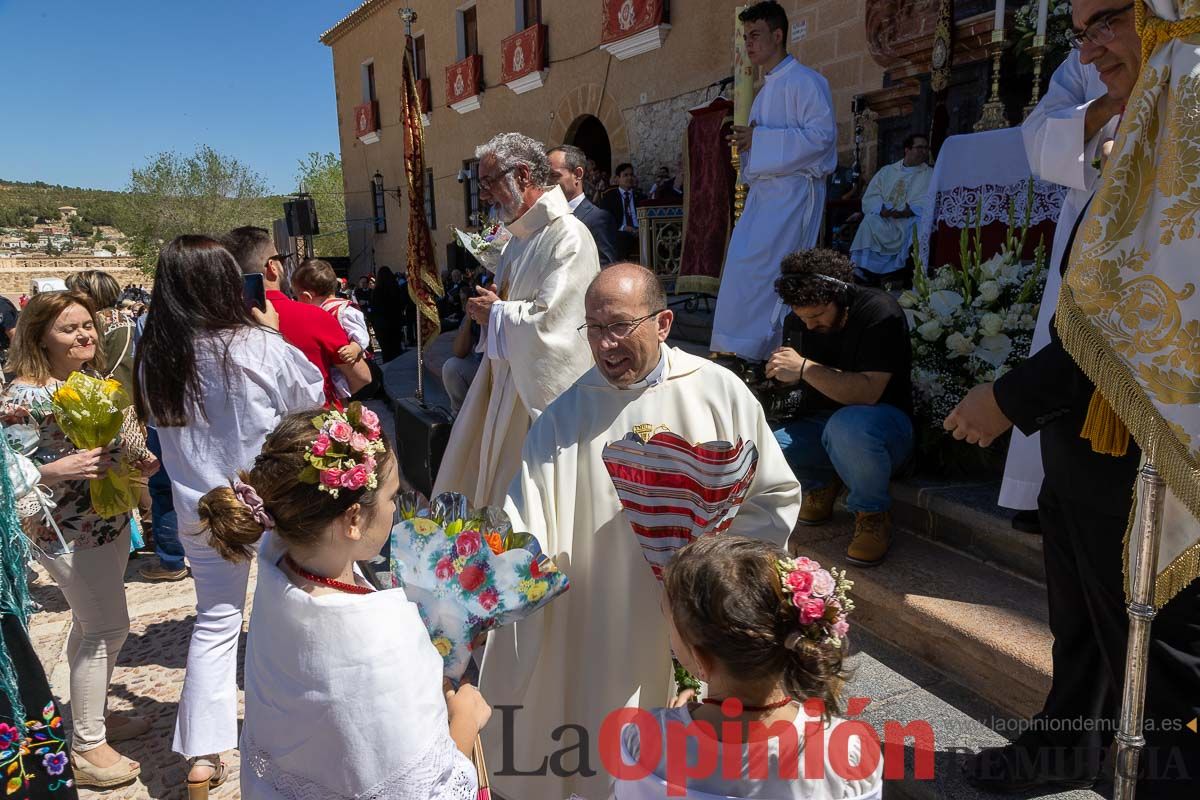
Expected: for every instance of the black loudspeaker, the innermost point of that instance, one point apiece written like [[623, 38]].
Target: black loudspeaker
[[301, 217]]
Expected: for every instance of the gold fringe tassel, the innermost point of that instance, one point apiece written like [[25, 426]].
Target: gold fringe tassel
[[1104, 429]]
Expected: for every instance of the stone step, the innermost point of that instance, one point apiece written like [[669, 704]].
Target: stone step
[[902, 689], [963, 515], [983, 627]]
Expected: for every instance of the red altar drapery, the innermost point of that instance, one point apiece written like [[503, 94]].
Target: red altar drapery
[[708, 198]]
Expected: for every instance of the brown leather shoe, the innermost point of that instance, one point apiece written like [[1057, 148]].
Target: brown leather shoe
[[872, 537], [817, 506]]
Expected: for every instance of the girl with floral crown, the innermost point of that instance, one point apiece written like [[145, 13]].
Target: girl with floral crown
[[344, 691], [767, 633]]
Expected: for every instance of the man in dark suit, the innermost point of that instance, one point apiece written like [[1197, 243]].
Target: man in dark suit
[[570, 164], [622, 202]]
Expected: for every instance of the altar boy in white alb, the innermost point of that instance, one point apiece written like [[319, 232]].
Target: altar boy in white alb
[[1063, 137], [604, 645], [787, 153]]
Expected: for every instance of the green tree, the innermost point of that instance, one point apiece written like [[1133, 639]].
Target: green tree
[[205, 192], [31, 238], [320, 174], [81, 227]]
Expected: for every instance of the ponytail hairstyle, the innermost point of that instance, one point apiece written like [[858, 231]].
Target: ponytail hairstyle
[[279, 493], [727, 599]]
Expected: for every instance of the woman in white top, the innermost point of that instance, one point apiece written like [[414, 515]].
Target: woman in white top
[[344, 691], [767, 634], [215, 379]]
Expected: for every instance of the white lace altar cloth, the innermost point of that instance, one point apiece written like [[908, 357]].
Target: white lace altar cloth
[[990, 167]]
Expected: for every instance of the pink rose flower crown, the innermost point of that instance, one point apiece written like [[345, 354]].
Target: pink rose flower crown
[[343, 454], [820, 596]]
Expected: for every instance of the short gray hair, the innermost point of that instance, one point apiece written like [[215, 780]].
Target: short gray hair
[[573, 157], [515, 149]]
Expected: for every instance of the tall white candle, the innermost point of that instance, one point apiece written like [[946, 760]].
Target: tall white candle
[[999, 22], [1043, 10]]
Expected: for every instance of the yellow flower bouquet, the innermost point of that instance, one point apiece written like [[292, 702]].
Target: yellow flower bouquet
[[90, 412]]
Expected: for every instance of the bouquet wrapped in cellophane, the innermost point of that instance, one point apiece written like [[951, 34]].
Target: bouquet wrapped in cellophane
[[468, 571], [90, 412], [486, 246]]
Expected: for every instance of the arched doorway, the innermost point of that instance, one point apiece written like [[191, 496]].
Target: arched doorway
[[588, 134]]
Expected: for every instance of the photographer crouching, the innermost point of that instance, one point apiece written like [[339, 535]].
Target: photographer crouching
[[847, 361]]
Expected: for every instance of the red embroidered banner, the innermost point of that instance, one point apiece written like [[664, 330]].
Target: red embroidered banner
[[366, 118], [463, 78], [624, 18], [425, 92], [523, 53], [424, 279]]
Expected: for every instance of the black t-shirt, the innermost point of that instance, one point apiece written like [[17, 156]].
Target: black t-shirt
[[874, 339], [8, 320]]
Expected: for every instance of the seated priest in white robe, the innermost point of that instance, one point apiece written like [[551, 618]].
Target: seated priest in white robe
[[532, 351], [787, 152], [604, 644], [891, 207], [1063, 137]]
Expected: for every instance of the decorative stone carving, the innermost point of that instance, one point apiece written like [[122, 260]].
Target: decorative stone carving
[[894, 26]]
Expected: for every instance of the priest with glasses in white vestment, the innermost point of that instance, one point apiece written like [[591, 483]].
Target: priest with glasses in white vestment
[[604, 645], [787, 152], [891, 207], [531, 350]]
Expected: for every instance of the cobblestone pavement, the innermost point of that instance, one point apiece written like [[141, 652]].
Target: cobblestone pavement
[[148, 678]]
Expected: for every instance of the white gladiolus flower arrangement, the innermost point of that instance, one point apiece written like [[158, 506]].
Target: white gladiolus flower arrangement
[[970, 324]]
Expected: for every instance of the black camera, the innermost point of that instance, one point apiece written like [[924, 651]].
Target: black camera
[[780, 401]]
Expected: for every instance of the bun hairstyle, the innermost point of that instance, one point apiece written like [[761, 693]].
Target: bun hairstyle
[[726, 599], [300, 510]]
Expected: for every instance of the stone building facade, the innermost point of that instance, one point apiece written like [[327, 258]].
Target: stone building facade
[[615, 77]]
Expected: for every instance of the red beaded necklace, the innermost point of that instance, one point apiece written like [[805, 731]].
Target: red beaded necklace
[[752, 709], [349, 588]]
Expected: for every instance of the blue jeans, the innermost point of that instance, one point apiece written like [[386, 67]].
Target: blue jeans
[[863, 445], [162, 511]]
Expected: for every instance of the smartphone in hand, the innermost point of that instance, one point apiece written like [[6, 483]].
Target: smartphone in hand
[[254, 294]]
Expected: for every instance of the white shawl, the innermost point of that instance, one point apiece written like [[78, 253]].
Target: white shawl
[[343, 698]]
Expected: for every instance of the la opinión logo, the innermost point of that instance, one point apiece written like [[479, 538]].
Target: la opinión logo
[[693, 751]]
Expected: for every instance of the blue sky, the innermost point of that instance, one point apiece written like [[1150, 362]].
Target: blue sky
[[94, 88]]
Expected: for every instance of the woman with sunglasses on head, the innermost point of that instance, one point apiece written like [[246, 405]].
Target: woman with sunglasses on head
[[58, 334], [215, 378]]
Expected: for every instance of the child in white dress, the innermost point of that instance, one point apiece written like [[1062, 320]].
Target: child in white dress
[[344, 689], [767, 635]]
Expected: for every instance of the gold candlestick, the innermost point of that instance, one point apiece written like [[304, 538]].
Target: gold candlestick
[[993, 110], [740, 190], [1039, 53]]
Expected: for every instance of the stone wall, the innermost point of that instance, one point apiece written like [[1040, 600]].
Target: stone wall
[[658, 131], [16, 274]]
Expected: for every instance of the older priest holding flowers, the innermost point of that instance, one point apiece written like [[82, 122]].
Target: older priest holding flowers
[[603, 645]]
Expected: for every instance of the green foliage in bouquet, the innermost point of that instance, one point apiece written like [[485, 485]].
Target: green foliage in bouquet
[[684, 679], [90, 412], [970, 324]]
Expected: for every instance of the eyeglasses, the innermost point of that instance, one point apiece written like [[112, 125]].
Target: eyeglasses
[[281, 257], [489, 182], [1099, 32], [617, 330]]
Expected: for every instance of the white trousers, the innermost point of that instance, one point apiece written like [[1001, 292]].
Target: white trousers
[[207, 720], [93, 582]]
